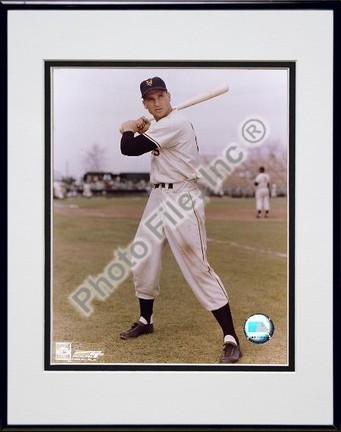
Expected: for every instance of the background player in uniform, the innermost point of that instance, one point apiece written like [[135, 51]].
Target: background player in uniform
[[175, 158], [262, 183]]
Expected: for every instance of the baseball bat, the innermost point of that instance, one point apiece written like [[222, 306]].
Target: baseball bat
[[202, 97]]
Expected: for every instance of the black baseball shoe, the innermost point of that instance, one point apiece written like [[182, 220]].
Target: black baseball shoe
[[231, 353], [136, 330]]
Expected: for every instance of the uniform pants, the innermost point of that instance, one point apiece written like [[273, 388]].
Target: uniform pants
[[262, 199], [177, 216]]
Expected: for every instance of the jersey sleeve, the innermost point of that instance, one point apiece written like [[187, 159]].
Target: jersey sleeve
[[165, 132]]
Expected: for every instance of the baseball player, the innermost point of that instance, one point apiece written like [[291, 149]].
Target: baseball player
[[174, 158], [262, 183]]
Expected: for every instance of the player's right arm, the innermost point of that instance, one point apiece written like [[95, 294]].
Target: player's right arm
[[132, 145]]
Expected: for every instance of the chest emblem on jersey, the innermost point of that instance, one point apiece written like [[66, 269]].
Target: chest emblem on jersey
[[149, 82], [156, 152]]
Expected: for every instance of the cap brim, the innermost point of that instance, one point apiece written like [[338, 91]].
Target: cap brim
[[154, 88]]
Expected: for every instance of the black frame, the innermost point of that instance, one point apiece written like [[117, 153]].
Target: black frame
[[291, 67], [260, 5]]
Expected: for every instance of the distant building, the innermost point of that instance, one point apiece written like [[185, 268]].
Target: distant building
[[102, 183], [93, 176]]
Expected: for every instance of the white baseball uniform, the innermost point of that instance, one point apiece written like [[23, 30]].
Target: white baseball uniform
[[262, 192], [175, 212]]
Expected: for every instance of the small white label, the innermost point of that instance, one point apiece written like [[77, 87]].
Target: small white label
[[63, 351], [259, 328]]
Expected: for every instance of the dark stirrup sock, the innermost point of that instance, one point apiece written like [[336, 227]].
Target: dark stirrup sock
[[224, 318], [146, 309]]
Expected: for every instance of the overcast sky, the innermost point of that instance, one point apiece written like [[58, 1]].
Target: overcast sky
[[89, 105]]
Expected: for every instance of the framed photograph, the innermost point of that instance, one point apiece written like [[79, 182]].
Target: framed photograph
[[172, 221], [90, 187]]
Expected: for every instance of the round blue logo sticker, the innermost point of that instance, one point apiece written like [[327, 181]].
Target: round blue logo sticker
[[259, 328]]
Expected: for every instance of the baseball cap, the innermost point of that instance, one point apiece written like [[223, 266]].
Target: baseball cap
[[149, 84]]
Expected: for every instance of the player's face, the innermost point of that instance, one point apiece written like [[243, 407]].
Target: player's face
[[157, 102]]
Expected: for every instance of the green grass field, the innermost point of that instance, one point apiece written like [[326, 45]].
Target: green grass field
[[248, 254]]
